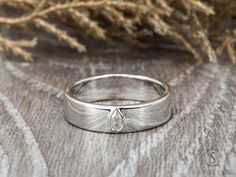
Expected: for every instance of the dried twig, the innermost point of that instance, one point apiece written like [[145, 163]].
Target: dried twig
[[85, 22], [9, 45], [202, 27], [24, 19], [60, 34]]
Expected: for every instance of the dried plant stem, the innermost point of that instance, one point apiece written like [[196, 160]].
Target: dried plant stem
[[203, 27], [231, 51], [91, 26], [186, 44], [25, 43], [198, 5], [201, 34], [162, 28], [118, 19], [89, 4], [24, 19], [167, 9], [9, 45], [60, 34]]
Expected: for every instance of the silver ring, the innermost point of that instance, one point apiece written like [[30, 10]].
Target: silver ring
[[116, 103]]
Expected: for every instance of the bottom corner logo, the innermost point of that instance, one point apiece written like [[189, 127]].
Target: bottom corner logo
[[212, 157]]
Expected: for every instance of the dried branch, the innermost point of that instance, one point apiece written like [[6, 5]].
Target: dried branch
[[26, 43], [201, 27], [9, 45], [231, 50], [85, 22], [206, 44], [24, 19], [60, 34], [198, 5]]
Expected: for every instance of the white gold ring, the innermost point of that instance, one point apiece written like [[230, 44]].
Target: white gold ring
[[116, 103]]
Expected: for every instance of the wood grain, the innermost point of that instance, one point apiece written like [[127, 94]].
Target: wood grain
[[36, 141]]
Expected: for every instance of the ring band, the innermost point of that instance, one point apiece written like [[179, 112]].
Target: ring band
[[116, 103]]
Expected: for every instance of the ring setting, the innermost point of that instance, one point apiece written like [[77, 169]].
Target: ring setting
[[116, 120]]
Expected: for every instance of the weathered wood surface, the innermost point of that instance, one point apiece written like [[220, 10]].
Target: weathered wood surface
[[35, 140]]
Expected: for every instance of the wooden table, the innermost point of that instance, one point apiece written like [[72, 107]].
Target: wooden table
[[36, 141]]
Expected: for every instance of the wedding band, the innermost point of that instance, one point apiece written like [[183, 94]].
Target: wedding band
[[116, 103]]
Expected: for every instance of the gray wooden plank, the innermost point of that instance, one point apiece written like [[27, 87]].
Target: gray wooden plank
[[35, 140]]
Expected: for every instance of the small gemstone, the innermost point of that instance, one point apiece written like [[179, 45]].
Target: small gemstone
[[116, 120]]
